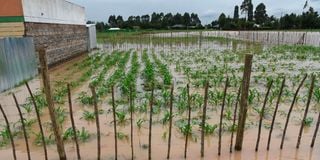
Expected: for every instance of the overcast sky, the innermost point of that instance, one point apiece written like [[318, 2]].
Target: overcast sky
[[208, 10]]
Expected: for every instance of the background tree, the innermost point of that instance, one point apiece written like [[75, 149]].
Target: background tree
[[186, 19], [178, 19], [310, 19], [250, 12], [236, 13], [119, 21], [260, 14], [145, 21], [247, 9], [195, 20], [112, 21], [100, 26], [222, 20], [167, 20]]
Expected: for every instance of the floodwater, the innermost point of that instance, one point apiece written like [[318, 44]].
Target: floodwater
[[160, 132]]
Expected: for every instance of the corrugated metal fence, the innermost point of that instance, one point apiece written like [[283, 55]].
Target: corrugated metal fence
[[267, 37], [17, 61], [271, 37]]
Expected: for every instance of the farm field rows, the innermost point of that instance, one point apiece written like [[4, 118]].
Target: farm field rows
[[138, 66]]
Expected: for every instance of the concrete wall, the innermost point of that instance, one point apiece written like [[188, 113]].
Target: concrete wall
[[63, 41], [53, 11]]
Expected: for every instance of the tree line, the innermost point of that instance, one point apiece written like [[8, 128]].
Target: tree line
[[254, 18], [259, 19], [155, 21]]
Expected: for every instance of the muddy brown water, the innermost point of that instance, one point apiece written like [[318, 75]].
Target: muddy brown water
[[159, 132]]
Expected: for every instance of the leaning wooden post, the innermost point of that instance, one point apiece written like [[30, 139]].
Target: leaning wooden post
[[275, 112], [234, 118], [23, 125], [170, 121], [10, 134], [131, 101], [290, 110], [306, 111], [39, 122], [262, 114], [47, 91], [221, 115], [204, 115], [150, 121], [96, 112], [315, 132], [244, 101], [75, 136], [189, 121], [114, 125]]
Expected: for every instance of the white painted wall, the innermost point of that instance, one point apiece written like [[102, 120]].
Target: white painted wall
[[53, 11], [92, 35]]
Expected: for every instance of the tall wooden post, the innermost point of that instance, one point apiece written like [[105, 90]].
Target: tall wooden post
[[150, 121], [221, 115], [96, 113], [262, 114], [306, 111], [131, 108], [47, 91], [170, 121], [234, 118], [75, 137], [290, 110], [23, 125], [189, 121], [204, 115], [39, 122], [244, 101], [114, 125], [10, 133]]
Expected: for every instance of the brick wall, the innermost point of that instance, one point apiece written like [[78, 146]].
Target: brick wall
[[63, 41]]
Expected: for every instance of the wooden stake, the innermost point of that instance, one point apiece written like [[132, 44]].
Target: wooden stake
[[189, 121], [10, 133], [234, 118], [244, 101], [290, 110], [114, 125], [315, 132], [306, 111], [275, 112], [23, 125], [131, 101], [39, 122], [221, 114], [262, 114], [96, 112], [47, 91], [150, 122], [204, 115], [170, 120], [75, 136]]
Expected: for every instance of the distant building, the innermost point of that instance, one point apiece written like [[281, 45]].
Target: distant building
[[59, 24], [178, 26], [114, 29]]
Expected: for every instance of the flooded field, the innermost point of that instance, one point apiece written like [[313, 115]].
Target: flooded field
[[141, 62]]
